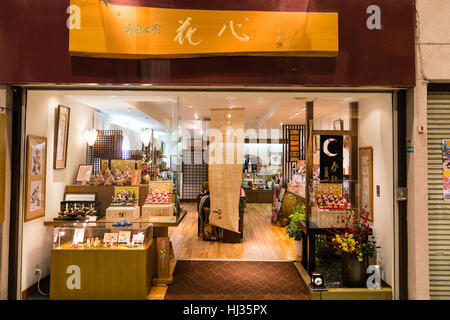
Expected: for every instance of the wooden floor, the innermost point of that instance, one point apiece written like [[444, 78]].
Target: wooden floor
[[262, 240]]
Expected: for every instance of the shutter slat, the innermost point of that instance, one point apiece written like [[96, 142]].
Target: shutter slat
[[438, 128]]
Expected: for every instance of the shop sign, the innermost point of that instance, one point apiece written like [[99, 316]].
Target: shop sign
[[294, 145], [102, 30], [331, 158]]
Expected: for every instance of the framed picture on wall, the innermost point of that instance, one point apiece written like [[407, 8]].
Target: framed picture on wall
[[276, 158], [84, 172], [36, 165], [61, 137], [366, 180], [338, 125]]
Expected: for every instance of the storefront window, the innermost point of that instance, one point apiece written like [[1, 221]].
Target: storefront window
[[133, 164]]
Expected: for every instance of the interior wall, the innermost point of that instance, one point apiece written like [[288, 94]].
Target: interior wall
[[263, 151], [133, 136], [376, 131], [6, 137], [40, 121]]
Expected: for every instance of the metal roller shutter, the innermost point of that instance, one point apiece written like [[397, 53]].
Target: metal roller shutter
[[438, 210]]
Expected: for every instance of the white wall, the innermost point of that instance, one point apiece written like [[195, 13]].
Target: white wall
[[4, 227], [40, 121], [376, 131], [433, 47]]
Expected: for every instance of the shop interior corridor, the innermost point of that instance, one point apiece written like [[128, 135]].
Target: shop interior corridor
[[263, 241]]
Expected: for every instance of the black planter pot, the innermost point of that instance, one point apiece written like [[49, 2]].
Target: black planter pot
[[354, 271]]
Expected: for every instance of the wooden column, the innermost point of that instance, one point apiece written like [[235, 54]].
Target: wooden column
[[353, 174], [309, 156]]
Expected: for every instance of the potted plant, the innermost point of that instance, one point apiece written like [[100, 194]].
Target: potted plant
[[355, 243], [293, 229]]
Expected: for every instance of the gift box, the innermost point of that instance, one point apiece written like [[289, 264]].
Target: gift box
[[151, 210], [122, 213]]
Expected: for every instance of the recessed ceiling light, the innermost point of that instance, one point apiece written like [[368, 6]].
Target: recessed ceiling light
[[296, 113], [196, 116]]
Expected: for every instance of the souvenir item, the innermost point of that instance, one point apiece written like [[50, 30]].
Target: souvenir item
[[77, 210], [138, 238], [108, 178], [108, 237], [98, 179], [158, 198], [332, 201], [124, 236], [122, 223], [127, 175], [118, 177], [124, 198], [78, 236], [131, 244]]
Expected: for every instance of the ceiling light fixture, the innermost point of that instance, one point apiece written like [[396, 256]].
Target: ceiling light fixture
[[90, 136], [196, 116], [145, 136]]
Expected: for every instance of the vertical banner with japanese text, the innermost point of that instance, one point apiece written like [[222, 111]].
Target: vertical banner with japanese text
[[331, 158], [226, 159], [129, 32]]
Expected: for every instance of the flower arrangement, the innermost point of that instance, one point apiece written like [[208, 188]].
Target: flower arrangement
[[356, 238], [146, 163]]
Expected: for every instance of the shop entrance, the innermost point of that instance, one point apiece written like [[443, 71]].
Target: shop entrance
[[107, 139]]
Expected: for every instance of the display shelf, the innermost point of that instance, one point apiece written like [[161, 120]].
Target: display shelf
[[51, 223], [102, 273], [385, 293], [104, 194]]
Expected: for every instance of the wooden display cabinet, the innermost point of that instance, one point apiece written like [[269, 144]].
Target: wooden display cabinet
[[102, 273]]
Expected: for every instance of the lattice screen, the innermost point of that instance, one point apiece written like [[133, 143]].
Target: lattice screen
[[195, 171]]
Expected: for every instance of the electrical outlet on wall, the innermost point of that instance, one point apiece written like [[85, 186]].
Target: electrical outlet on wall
[[36, 269]]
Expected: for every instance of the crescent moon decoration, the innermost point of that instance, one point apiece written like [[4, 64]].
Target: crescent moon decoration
[[325, 147]]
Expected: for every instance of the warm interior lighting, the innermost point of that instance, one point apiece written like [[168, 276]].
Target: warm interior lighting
[[146, 136], [90, 136]]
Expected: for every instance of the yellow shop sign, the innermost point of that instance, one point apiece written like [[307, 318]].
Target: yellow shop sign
[[128, 32]]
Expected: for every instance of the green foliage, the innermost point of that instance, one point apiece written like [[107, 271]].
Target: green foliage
[[293, 229]]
